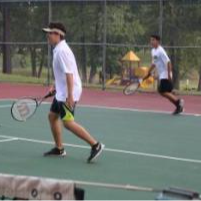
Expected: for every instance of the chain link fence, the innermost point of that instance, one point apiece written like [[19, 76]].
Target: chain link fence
[[100, 32]]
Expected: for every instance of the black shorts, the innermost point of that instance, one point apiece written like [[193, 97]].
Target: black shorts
[[60, 108], [165, 86]]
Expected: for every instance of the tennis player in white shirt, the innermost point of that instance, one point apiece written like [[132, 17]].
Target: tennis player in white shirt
[[162, 63], [68, 88]]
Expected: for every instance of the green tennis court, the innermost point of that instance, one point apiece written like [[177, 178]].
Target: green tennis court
[[142, 148]]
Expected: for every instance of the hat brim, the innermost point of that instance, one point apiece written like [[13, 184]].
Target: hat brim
[[47, 30]]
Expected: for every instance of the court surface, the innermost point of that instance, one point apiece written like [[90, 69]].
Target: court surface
[[142, 148]]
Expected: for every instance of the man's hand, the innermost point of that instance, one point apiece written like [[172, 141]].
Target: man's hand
[[149, 72], [146, 77], [170, 77], [70, 102], [169, 71], [52, 89]]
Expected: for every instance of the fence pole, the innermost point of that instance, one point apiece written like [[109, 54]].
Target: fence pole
[[49, 60], [104, 45], [161, 19], [7, 68]]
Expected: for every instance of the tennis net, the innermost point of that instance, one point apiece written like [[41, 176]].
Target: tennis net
[[36, 188]]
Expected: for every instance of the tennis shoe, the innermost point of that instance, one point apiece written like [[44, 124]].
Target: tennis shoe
[[180, 107], [56, 152], [96, 150]]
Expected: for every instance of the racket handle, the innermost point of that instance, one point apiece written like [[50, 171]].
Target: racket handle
[[140, 81], [50, 94]]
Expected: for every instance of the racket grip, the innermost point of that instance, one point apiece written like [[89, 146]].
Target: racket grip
[[53, 93], [50, 94], [140, 81]]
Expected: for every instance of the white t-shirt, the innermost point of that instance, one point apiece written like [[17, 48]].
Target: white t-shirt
[[160, 59], [63, 63]]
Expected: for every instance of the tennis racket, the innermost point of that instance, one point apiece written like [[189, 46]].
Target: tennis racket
[[132, 87], [25, 108]]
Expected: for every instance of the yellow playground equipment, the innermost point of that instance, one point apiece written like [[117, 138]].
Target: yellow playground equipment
[[131, 70]]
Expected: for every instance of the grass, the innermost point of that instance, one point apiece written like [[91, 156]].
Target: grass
[[23, 75], [22, 79]]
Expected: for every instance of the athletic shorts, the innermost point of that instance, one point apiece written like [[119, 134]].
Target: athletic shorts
[[165, 86], [60, 108]]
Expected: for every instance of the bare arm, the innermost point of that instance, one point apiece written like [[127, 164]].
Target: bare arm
[[69, 78], [149, 72], [70, 100], [169, 70]]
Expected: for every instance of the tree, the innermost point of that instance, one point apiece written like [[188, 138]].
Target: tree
[[6, 38], [29, 29], [84, 25], [123, 26], [181, 30]]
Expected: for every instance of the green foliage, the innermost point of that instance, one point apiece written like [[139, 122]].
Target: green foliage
[[128, 22]]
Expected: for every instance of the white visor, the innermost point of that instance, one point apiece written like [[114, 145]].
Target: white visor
[[49, 30]]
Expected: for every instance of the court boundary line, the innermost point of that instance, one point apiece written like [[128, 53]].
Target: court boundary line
[[136, 110], [9, 140], [197, 161], [7, 99], [5, 106], [9, 105], [118, 109]]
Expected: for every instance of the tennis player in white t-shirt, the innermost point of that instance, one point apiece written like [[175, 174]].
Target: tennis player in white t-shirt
[[162, 63], [68, 88]]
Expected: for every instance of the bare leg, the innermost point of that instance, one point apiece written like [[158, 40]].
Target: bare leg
[[79, 131], [171, 97], [56, 128]]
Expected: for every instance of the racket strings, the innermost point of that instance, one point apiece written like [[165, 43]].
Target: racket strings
[[24, 109], [131, 88]]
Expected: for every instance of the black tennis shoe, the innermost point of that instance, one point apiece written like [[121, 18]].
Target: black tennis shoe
[[96, 150], [56, 152], [180, 107]]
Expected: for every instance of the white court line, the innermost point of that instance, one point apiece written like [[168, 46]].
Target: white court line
[[114, 150], [7, 99], [136, 110], [8, 140], [119, 109], [5, 106], [4, 136], [9, 105]]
